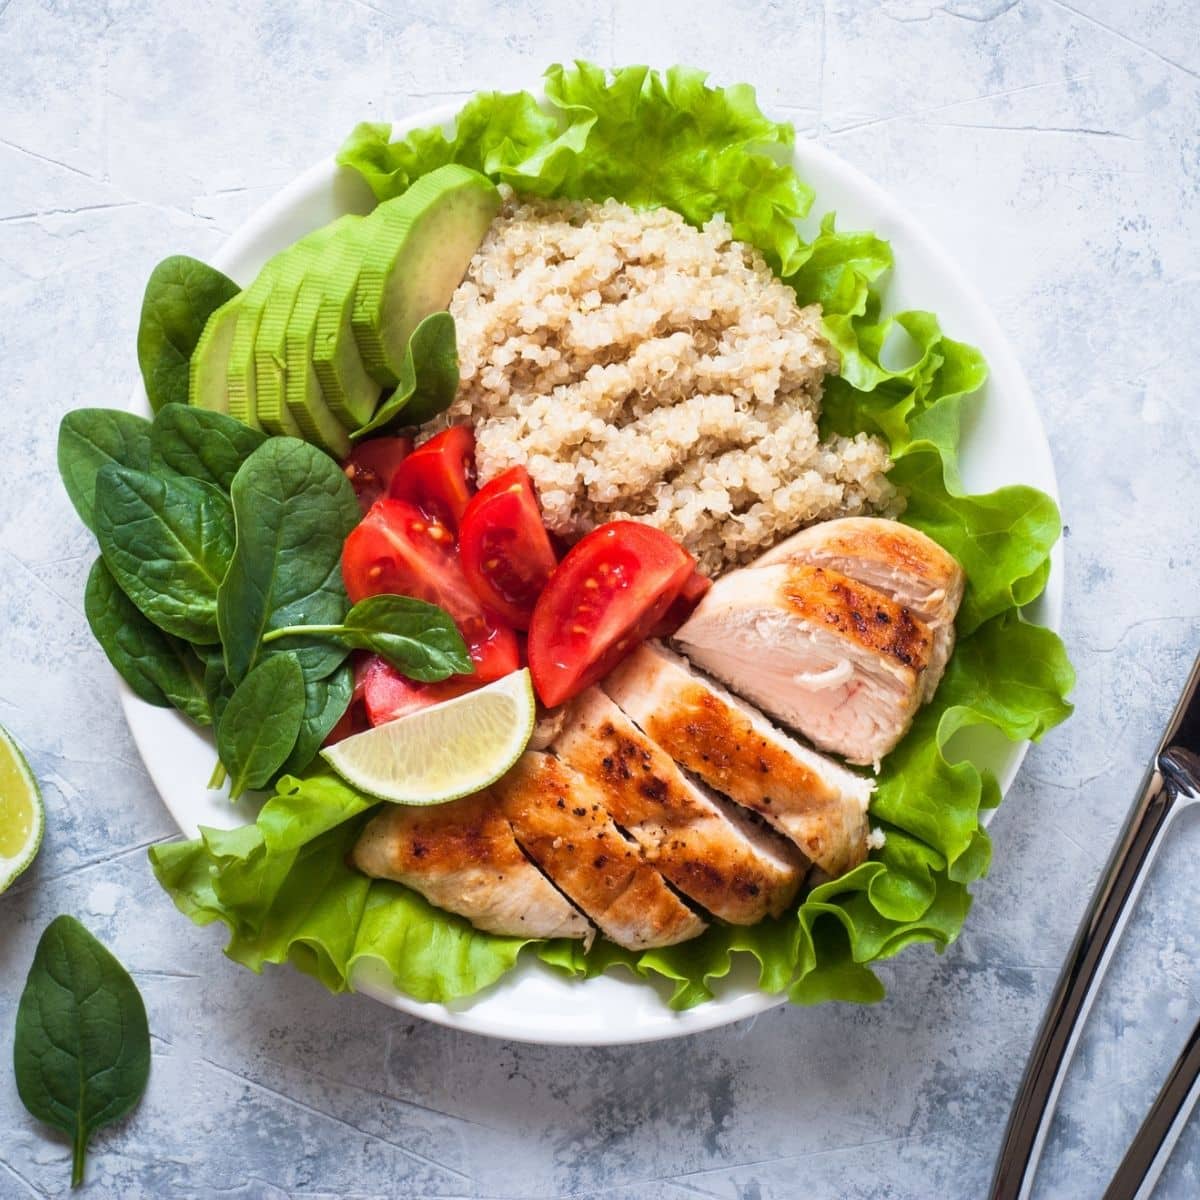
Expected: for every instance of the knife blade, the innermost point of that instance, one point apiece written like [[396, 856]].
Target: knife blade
[[1171, 783]]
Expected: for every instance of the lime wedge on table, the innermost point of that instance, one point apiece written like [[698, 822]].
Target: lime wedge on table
[[21, 815], [443, 752]]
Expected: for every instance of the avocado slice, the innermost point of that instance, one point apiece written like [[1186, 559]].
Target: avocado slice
[[323, 363], [281, 383], [208, 385], [269, 359], [239, 373], [417, 248], [348, 387]]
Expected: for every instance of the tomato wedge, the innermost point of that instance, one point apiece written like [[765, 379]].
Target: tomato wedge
[[372, 464], [505, 550], [398, 550], [604, 598], [689, 596], [388, 695], [437, 476]]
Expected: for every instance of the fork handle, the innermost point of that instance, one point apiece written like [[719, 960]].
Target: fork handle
[[1089, 957]]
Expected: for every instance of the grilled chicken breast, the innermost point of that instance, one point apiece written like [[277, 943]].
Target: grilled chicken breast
[[710, 852], [816, 803], [819, 651], [463, 857], [560, 821], [912, 570]]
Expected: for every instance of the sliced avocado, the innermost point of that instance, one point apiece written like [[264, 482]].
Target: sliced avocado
[[417, 248], [239, 373], [270, 363], [348, 389], [279, 396], [207, 380]]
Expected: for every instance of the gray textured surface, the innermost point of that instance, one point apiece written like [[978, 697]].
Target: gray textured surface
[[1054, 148]]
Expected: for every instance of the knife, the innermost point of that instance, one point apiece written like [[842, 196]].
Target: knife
[[1147, 1155], [1171, 784]]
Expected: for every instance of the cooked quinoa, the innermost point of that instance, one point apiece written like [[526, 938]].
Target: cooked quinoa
[[640, 368]]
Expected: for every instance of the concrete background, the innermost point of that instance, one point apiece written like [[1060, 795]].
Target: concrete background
[[1055, 149]]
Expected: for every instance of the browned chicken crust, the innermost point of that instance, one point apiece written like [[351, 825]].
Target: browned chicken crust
[[904, 564], [716, 856], [463, 857], [859, 613], [561, 823], [816, 803]]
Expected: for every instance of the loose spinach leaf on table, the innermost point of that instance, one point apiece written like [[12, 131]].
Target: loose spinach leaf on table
[[91, 438], [168, 543], [200, 444], [325, 700], [82, 1045], [294, 507], [161, 669], [261, 722], [418, 639], [428, 377], [181, 294]]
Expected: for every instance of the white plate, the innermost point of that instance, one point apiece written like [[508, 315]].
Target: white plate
[[1005, 444]]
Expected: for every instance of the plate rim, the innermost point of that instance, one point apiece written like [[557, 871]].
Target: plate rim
[[744, 1004]]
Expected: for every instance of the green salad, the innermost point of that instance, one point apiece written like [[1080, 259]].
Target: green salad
[[282, 885]]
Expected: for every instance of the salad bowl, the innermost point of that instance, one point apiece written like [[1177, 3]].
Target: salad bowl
[[1003, 443]]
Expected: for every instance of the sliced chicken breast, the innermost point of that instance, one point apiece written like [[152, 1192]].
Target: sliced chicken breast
[[463, 857], [818, 804], [710, 851], [909, 568], [560, 821], [817, 650]]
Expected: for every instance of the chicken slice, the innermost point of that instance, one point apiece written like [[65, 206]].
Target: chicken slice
[[560, 821], [711, 852], [818, 804], [817, 650], [906, 566], [463, 857]]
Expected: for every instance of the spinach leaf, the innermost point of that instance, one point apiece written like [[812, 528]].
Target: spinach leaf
[[168, 543], [418, 639], [294, 507], [217, 686], [428, 377], [261, 723], [82, 1045], [90, 438], [181, 294], [161, 669], [325, 700], [200, 444]]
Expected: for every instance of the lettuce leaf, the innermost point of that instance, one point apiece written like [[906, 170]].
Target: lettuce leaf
[[284, 890], [282, 886], [647, 138]]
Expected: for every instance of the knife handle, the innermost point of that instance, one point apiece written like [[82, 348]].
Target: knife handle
[[1161, 795], [1144, 1160]]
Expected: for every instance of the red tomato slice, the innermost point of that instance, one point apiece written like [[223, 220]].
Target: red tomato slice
[[689, 596], [602, 600], [505, 550], [372, 464], [437, 476], [388, 695], [397, 550]]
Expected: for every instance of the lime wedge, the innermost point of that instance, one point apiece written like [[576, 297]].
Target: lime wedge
[[22, 818], [443, 752]]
